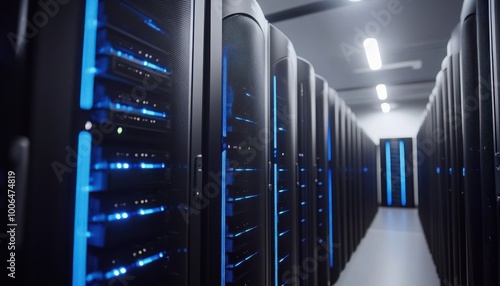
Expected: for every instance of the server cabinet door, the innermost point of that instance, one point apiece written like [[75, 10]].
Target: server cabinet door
[[495, 76], [323, 192], [284, 158], [244, 156], [307, 169]]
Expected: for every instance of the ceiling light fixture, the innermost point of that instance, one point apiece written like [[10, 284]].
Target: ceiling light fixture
[[385, 107], [382, 91], [372, 53]]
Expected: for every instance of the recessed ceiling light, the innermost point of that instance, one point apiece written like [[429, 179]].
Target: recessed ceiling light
[[382, 91], [385, 107], [372, 53]]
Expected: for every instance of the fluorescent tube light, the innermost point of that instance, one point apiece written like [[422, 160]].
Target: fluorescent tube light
[[372, 53], [382, 91], [385, 107]]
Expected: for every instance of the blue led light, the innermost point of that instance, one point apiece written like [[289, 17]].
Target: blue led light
[[241, 232], [242, 198], [150, 211], [388, 172], [285, 232], [282, 129], [243, 169], [152, 166], [245, 120], [284, 190], [450, 171], [275, 115], [276, 215], [463, 172], [283, 259], [81, 207], [365, 169], [330, 214], [88, 56], [151, 24], [149, 259], [402, 170], [133, 59], [283, 212], [243, 260], [133, 110], [303, 203], [125, 166], [224, 159], [146, 20]]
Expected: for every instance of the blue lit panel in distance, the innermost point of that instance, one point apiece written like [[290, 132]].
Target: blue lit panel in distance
[[402, 171], [88, 56], [81, 208], [388, 172]]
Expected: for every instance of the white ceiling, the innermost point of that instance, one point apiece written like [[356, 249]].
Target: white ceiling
[[412, 36]]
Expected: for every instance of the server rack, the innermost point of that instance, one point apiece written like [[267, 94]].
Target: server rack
[[348, 182], [472, 164], [284, 157], [323, 192], [495, 77], [343, 188], [397, 172], [333, 184], [111, 179], [488, 193], [460, 221], [306, 136], [242, 234]]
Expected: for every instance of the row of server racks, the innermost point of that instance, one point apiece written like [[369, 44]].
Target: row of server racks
[[458, 149], [173, 143]]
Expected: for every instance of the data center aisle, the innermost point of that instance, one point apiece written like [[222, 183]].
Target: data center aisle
[[394, 252]]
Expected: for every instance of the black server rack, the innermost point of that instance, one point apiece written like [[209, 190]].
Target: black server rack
[[283, 77], [348, 182], [495, 77], [306, 116], [471, 120], [397, 172], [341, 174], [488, 193], [333, 184], [242, 237], [324, 196], [457, 142], [113, 176]]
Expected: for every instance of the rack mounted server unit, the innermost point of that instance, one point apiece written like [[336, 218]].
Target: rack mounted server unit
[[114, 180]]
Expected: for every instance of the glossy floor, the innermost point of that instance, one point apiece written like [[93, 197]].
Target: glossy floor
[[393, 252]]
